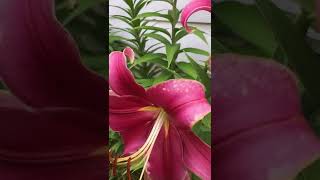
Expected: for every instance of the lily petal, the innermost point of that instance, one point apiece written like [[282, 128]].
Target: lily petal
[[196, 154], [120, 77], [187, 115], [273, 152], [40, 62], [259, 128], [48, 134], [93, 169], [192, 7], [166, 158], [250, 91], [125, 112], [184, 100], [135, 137], [129, 53]]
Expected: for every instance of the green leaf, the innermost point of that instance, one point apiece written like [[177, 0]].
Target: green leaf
[[165, 75], [200, 34], [202, 74], [195, 51], [182, 33], [188, 69], [153, 58], [151, 14], [203, 130], [158, 37], [145, 82], [248, 23], [129, 3], [155, 29], [172, 51], [123, 9]]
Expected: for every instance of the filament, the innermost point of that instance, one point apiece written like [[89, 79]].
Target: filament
[[145, 151]]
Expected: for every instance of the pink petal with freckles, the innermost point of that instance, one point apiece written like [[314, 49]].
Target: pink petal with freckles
[[259, 130], [196, 154], [125, 113], [250, 91], [192, 7], [121, 79], [129, 53], [166, 160], [176, 92], [185, 116], [184, 100], [40, 62]]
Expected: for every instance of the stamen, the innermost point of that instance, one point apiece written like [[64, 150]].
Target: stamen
[[114, 172], [128, 169], [143, 154], [154, 132]]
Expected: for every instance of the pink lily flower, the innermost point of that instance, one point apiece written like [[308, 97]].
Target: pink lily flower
[[53, 119], [192, 7], [155, 124], [259, 130]]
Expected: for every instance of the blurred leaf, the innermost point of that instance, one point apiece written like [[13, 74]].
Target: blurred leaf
[[292, 41], [82, 5], [311, 172], [98, 64], [2, 85], [247, 22], [218, 47], [307, 5]]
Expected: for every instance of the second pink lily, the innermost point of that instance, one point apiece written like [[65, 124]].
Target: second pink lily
[[192, 7], [155, 123]]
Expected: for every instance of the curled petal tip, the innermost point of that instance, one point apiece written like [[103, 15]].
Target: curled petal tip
[[129, 53], [192, 7]]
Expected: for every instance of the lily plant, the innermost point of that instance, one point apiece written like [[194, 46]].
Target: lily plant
[[155, 123]]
